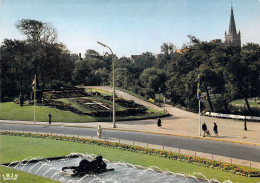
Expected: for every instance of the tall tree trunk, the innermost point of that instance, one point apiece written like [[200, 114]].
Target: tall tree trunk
[[209, 100], [226, 107], [41, 92]]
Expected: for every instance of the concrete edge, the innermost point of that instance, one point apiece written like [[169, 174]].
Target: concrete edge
[[158, 133]]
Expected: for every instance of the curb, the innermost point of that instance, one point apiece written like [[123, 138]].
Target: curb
[[158, 133]]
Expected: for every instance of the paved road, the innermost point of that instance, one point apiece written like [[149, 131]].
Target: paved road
[[240, 151]]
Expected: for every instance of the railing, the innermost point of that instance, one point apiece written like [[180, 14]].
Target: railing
[[235, 161], [231, 116]]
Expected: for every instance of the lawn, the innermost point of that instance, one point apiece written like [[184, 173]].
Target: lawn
[[93, 90], [23, 177], [12, 111], [242, 102], [18, 148]]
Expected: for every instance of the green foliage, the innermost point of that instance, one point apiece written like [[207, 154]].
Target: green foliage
[[227, 71]]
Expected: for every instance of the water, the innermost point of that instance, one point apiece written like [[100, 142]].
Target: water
[[123, 172]]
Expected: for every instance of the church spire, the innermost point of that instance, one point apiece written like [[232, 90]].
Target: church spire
[[232, 37], [232, 25]]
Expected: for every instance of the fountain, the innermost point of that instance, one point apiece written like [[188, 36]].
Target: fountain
[[123, 172]]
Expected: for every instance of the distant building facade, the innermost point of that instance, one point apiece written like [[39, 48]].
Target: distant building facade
[[134, 57], [182, 50]]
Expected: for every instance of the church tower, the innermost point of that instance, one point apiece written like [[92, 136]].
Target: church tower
[[232, 37]]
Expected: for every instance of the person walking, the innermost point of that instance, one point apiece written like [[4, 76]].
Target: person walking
[[215, 129], [49, 115], [159, 122], [99, 131], [204, 128]]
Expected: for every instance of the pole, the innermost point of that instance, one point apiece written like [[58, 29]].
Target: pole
[[198, 96], [113, 70], [199, 120], [35, 100], [245, 128], [114, 106]]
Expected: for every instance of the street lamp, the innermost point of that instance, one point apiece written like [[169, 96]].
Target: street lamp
[[113, 70], [245, 128]]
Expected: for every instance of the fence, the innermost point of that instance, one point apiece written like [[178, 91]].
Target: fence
[[231, 116], [251, 164]]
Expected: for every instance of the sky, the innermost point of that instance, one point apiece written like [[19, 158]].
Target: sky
[[132, 27]]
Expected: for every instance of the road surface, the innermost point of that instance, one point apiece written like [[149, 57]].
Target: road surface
[[239, 151]]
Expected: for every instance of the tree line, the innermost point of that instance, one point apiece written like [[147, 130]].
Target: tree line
[[227, 72]]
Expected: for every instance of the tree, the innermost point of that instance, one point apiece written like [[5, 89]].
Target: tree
[[81, 72], [37, 31], [16, 67], [146, 60], [167, 48], [91, 53], [41, 37], [250, 73], [153, 79]]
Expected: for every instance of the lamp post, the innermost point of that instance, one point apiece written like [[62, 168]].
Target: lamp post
[[245, 128], [113, 70]]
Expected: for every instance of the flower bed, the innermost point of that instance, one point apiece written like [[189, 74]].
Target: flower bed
[[244, 171], [61, 105], [55, 94], [93, 104], [124, 103], [102, 110]]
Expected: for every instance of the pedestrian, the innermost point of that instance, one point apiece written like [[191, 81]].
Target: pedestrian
[[204, 128], [215, 129], [159, 122], [99, 131], [49, 115]]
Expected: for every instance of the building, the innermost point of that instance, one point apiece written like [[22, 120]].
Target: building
[[134, 57], [182, 50], [232, 37]]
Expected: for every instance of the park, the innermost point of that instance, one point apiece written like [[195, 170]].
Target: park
[[156, 115]]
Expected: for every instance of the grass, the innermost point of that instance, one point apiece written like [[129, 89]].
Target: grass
[[23, 177], [75, 104], [136, 95], [242, 102], [15, 148], [12, 111], [93, 90]]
